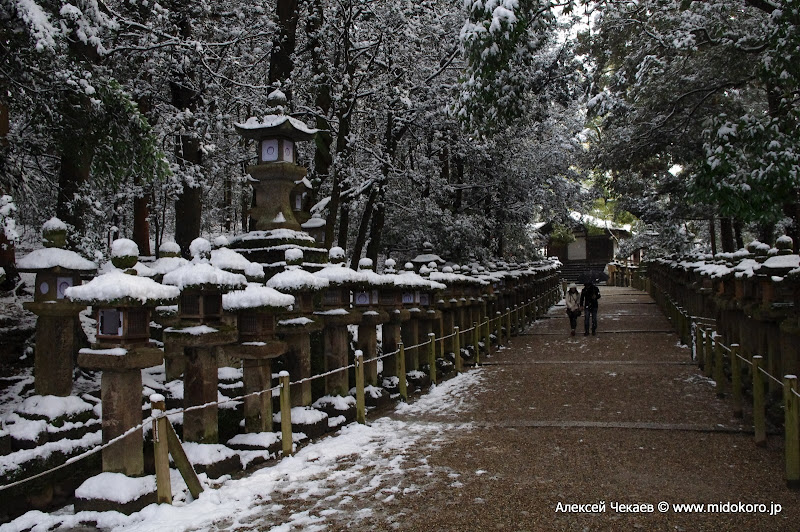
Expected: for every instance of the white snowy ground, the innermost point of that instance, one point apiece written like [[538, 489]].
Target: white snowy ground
[[333, 483]]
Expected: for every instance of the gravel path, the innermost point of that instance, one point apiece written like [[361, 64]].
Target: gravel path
[[622, 417]]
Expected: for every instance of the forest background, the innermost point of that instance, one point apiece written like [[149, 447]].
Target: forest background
[[454, 122]]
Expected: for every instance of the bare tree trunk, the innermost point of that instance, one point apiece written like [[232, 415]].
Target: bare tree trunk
[[188, 205], [281, 64], [73, 173], [363, 227], [141, 222], [726, 234], [8, 260], [712, 229]]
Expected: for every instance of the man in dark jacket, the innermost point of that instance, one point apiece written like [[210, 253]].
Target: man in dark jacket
[[589, 296]]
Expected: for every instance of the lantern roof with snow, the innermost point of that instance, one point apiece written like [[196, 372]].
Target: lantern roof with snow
[[203, 275], [275, 123], [256, 296], [119, 288]]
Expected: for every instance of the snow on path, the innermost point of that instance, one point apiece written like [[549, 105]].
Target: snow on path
[[331, 484]]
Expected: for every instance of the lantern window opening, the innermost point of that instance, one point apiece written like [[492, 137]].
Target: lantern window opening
[[138, 323], [190, 305], [212, 305], [109, 322]]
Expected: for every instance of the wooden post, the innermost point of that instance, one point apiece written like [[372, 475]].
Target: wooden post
[[498, 323], [698, 344], [286, 414], [707, 363], [457, 350], [432, 356], [719, 373], [736, 380], [487, 335], [161, 449], [508, 324], [791, 431], [401, 371], [476, 339], [182, 462], [361, 410], [759, 416]]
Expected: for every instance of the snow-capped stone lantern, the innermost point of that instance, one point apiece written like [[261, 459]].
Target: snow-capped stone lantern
[[256, 307], [375, 289], [274, 222], [201, 329], [276, 171], [315, 227], [337, 315], [122, 303], [427, 256], [57, 324], [296, 327]]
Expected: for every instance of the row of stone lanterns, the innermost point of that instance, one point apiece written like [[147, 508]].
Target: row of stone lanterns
[[221, 310]]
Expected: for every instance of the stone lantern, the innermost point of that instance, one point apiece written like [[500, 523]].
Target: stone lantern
[[274, 223], [337, 315], [200, 330], [315, 227], [57, 324], [256, 308], [417, 295], [122, 303], [368, 299], [296, 328]]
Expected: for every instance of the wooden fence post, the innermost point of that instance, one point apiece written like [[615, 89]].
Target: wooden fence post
[[708, 363], [476, 339], [286, 414], [498, 323], [487, 333], [736, 380], [401, 371], [161, 449], [457, 349], [182, 462], [759, 415], [361, 410], [432, 356], [698, 345], [719, 372], [508, 324], [791, 431]]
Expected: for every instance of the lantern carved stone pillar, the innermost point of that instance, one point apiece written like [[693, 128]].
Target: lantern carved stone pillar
[[122, 305], [57, 325]]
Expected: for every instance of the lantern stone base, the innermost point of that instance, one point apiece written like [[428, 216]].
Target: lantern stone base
[[298, 358], [121, 395], [200, 387], [57, 341], [257, 377], [105, 505]]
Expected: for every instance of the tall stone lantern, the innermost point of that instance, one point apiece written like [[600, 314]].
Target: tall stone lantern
[[273, 222], [122, 304], [57, 324], [296, 328], [199, 331]]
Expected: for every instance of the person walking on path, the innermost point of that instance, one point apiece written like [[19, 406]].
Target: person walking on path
[[573, 301], [589, 296]]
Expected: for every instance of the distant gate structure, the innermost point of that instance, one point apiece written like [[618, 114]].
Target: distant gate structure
[[587, 243]]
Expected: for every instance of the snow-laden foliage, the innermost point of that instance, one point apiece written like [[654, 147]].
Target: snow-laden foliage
[[517, 60], [709, 87]]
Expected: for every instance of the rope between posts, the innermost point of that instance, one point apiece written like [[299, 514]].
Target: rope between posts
[[167, 414], [796, 393], [81, 456], [770, 376]]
